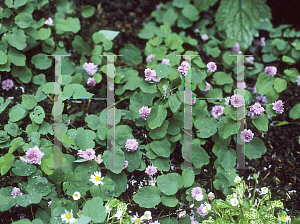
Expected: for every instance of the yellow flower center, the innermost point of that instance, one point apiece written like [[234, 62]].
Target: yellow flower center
[[97, 178], [68, 216], [138, 220], [282, 218], [76, 195]]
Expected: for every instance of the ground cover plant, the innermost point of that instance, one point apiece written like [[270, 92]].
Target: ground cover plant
[[185, 47]]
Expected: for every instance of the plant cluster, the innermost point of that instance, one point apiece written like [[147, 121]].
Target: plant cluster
[[85, 188]]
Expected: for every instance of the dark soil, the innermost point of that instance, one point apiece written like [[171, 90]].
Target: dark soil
[[279, 167]]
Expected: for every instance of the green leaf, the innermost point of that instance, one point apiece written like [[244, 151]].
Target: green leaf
[[227, 127], [261, 123], [206, 126], [204, 5], [180, 3], [170, 16], [17, 39], [222, 78], [49, 87], [41, 61], [227, 158], [23, 169], [81, 46], [190, 12], [280, 84], [17, 113], [23, 20], [39, 79], [16, 57], [27, 199], [174, 42], [170, 201], [29, 101], [6, 162], [134, 160], [240, 19], [264, 83], [148, 31], [148, 87], [109, 34], [23, 73], [294, 113], [13, 129], [44, 33], [269, 58], [131, 54], [188, 177], [174, 103], [147, 197], [291, 74], [288, 60], [65, 139], [215, 52], [3, 58], [199, 156], [157, 116], [67, 25], [163, 70], [37, 115], [255, 148], [4, 105], [161, 147], [159, 133], [87, 11]]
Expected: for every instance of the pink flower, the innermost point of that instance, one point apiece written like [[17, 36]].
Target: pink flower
[[196, 191], [236, 48], [144, 112], [211, 196], [227, 100], [33, 155], [151, 170], [212, 67], [49, 22], [91, 82], [195, 222], [16, 191], [131, 145], [202, 210], [250, 59], [196, 31], [88, 154], [149, 74], [264, 100], [204, 37], [278, 106], [156, 79], [217, 111], [68, 123], [126, 164], [298, 80], [49, 203], [7, 84], [184, 68], [262, 41], [166, 61], [150, 57], [246, 135], [158, 7], [270, 70], [207, 87], [237, 100], [256, 110], [255, 89], [90, 68]]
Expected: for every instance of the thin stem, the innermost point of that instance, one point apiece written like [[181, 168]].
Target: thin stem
[[252, 200]]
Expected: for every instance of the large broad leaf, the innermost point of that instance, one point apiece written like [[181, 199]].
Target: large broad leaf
[[94, 209], [255, 148], [295, 112], [240, 19], [199, 156], [131, 54], [169, 183], [157, 116], [147, 197]]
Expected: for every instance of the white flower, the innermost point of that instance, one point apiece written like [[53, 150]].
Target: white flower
[[99, 159], [137, 220], [234, 201], [107, 208], [49, 21], [199, 197], [237, 179], [234, 195], [68, 217], [119, 213], [264, 190], [97, 179], [283, 218], [165, 87], [147, 215], [76, 195], [206, 208]]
